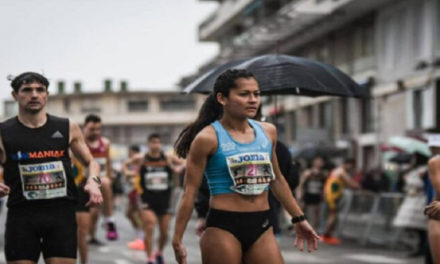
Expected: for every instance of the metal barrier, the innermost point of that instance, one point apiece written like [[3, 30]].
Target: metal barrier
[[367, 217]]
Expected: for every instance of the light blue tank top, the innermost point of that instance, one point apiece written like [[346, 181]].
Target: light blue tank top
[[244, 168]]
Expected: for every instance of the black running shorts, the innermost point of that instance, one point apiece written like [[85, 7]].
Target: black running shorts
[[157, 201], [31, 230], [83, 199]]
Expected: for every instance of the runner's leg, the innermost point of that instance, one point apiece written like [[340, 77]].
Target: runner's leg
[[149, 222], [219, 246], [264, 250], [83, 221]]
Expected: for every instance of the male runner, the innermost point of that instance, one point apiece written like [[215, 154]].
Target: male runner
[[155, 179], [333, 190], [34, 151], [99, 146], [132, 212]]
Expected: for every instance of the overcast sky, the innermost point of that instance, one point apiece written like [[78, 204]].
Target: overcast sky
[[151, 43]]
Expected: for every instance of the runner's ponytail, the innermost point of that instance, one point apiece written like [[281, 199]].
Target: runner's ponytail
[[211, 109]]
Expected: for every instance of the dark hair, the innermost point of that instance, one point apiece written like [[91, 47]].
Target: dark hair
[[28, 77], [152, 136], [350, 161], [211, 109], [135, 148], [92, 118]]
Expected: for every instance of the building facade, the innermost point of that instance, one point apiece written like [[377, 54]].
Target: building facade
[[391, 47], [128, 116]]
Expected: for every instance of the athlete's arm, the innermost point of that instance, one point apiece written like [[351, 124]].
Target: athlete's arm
[[433, 209], [108, 160], [281, 190], [299, 190], [434, 174], [203, 145], [176, 164], [135, 160], [79, 148], [349, 181]]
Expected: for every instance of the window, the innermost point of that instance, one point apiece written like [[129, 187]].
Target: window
[[418, 108], [394, 37], [342, 49], [293, 125], [309, 116], [90, 106], [324, 52], [137, 106], [325, 114], [367, 122], [177, 103], [368, 157], [344, 115], [66, 105]]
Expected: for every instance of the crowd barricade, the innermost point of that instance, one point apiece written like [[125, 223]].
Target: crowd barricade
[[367, 217]]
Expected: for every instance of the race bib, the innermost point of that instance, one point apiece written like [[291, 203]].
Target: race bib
[[250, 172], [102, 161], [43, 180], [314, 187], [156, 180]]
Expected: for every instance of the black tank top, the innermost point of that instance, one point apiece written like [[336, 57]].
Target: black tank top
[[38, 166], [155, 174]]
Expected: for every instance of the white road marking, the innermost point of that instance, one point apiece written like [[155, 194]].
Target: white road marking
[[305, 257], [2, 257], [374, 258], [122, 261], [104, 249]]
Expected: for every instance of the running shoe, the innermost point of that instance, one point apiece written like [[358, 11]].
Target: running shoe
[[112, 233], [330, 240], [95, 242], [159, 259], [137, 244]]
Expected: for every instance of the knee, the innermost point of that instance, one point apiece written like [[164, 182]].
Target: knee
[[83, 230], [105, 182], [149, 226]]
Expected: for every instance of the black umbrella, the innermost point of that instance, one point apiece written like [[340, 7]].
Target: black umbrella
[[309, 153], [401, 158], [282, 74]]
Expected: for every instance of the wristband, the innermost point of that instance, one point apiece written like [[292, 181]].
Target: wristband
[[298, 219], [97, 180]]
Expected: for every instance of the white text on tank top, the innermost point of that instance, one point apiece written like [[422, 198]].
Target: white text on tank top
[[156, 179], [43, 180], [314, 186], [251, 172]]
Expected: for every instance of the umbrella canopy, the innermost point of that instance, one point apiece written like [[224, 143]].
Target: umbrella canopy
[[310, 153], [401, 158], [283, 74], [410, 145]]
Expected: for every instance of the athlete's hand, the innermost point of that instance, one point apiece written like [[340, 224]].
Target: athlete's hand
[[4, 190], [305, 232], [92, 188], [179, 251], [200, 226], [433, 210]]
